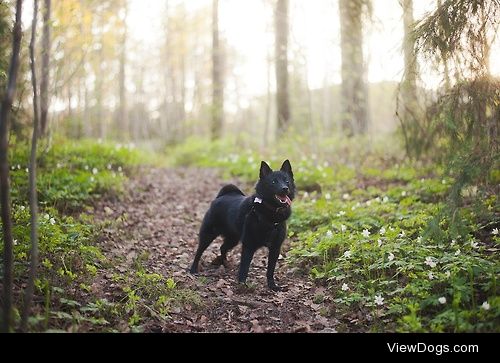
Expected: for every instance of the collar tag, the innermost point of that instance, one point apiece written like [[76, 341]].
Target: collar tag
[[257, 200]]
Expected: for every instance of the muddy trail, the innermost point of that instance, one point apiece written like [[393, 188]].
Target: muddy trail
[[159, 217]]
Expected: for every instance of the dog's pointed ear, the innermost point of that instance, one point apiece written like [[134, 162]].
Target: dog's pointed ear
[[287, 168], [264, 169]]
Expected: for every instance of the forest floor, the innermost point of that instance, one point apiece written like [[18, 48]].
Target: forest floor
[[159, 217]]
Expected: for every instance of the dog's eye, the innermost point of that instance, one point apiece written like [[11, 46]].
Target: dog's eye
[[287, 182]]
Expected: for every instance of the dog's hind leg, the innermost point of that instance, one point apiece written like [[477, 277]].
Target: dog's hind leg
[[228, 245], [207, 235]]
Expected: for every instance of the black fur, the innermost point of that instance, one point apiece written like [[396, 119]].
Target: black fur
[[256, 224]]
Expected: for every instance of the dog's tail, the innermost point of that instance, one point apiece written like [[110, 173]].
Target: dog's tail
[[229, 189]]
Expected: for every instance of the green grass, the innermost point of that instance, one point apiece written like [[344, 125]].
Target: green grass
[[373, 228], [71, 176]]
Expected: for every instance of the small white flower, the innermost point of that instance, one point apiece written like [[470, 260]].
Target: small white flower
[[443, 181], [402, 234], [422, 180], [419, 239], [382, 231], [474, 244], [442, 300], [343, 228], [346, 196], [358, 204], [113, 175], [379, 242], [95, 171], [52, 221], [347, 254], [86, 167], [99, 141], [403, 193], [22, 207], [391, 256], [328, 196], [353, 207], [345, 287], [59, 165], [379, 300], [341, 213], [329, 234], [368, 202], [306, 195], [385, 199], [109, 166], [27, 170], [391, 229], [458, 252], [485, 306], [377, 199], [447, 274], [453, 242], [46, 216], [495, 231], [92, 179], [430, 262], [431, 276], [250, 160], [366, 233], [120, 169], [14, 242], [18, 167]]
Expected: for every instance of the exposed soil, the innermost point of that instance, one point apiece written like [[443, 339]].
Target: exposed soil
[[161, 212]]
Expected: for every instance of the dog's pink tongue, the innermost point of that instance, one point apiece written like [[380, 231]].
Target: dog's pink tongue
[[288, 200]]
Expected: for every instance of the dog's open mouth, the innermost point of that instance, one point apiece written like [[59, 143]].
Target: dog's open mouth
[[284, 199]]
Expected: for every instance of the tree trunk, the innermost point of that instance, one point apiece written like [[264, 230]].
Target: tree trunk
[[281, 48], [217, 78], [44, 82], [122, 114], [409, 84], [354, 92], [5, 109], [28, 298], [267, 119]]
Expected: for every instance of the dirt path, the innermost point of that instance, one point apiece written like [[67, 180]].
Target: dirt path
[[162, 210]]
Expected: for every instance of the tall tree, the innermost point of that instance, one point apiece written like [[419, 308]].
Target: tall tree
[[5, 109], [122, 114], [281, 54], [354, 92], [217, 76], [44, 82], [409, 83], [32, 178]]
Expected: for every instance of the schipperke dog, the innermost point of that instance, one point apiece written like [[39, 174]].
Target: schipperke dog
[[257, 221]]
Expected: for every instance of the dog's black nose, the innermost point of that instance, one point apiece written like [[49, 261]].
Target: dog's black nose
[[285, 190]]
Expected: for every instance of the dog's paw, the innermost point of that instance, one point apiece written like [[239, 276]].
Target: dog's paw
[[276, 288]]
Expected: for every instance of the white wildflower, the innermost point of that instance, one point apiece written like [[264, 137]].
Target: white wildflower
[[52, 221], [22, 207], [46, 216], [306, 195], [385, 199], [403, 193], [430, 262], [379, 300], [391, 256], [495, 231], [377, 199], [343, 228], [58, 165], [95, 171], [442, 300], [485, 306], [419, 239], [109, 166], [346, 196], [92, 179], [86, 167], [458, 252], [18, 167], [14, 242], [453, 242], [379, 242], [382, 231], [27, 170], [402, 234], [368, 202], [328, 196], [329, 234], [474, 244], [347, 254], [431, 276], [366, 233], [443, 181], [345, 287], [447, 274], [341, 213], [120, 169]]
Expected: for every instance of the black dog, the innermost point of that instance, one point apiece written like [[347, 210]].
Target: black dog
[[256, 221]]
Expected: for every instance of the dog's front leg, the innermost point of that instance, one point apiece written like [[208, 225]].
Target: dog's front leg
[[274, 253], [247, 253]]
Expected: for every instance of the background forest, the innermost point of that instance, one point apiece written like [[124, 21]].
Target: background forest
[[121, 119]]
